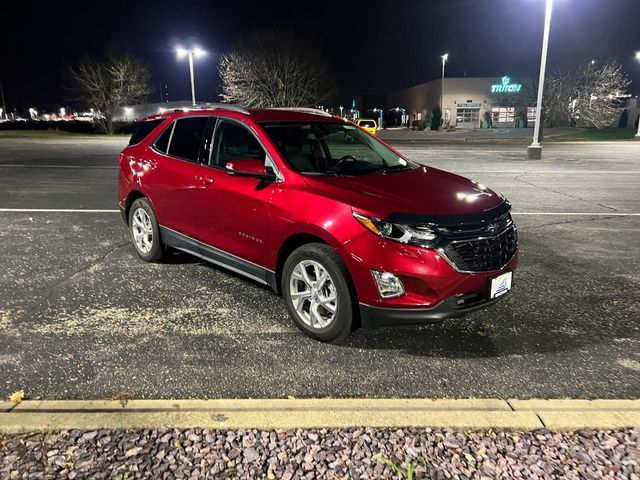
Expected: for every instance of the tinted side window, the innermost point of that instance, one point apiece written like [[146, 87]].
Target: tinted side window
[[235, 143], [142, 129], [162, 142], [187, 137]]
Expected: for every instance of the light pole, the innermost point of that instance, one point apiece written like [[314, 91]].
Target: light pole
[[534, 151], [445, 57], [404, 114], [191, 53], [379, 110], [4, 105], [637, 137]]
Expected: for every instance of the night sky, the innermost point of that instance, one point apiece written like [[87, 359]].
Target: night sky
[[373, 46]]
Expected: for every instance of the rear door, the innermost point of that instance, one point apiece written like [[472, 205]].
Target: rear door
[[176, 176]]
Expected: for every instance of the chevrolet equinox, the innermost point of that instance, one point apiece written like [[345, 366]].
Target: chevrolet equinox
[[347, 229]]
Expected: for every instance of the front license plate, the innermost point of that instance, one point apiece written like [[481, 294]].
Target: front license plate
[[500, 285]]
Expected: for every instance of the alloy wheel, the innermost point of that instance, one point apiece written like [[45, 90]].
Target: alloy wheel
[[313, 294], [142, 229]]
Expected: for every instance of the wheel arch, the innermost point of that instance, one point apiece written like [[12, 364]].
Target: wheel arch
[[303, 238], [132, 197]]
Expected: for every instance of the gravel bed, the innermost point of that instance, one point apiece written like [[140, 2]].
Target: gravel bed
[[328, 453]]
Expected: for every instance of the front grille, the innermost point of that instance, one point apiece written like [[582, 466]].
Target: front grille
[[485, 253], [476, 229]]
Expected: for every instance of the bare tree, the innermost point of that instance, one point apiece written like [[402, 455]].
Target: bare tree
[[275, 68], [108, 84], [587, 96]]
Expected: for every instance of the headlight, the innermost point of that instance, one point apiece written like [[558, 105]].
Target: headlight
[[419, 235]]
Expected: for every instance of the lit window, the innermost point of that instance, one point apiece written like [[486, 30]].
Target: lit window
[[503, 116]]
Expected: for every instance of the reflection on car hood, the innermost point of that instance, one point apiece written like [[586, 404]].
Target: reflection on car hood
[[421, 191]]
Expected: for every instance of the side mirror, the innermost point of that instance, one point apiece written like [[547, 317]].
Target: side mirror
[[251, 167]]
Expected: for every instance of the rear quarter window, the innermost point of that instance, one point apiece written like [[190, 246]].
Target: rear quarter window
[[142, 129]]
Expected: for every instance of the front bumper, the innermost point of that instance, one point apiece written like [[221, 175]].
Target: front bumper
[[456, 306]]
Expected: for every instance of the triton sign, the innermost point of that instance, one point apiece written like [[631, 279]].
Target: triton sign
[[506, 86]]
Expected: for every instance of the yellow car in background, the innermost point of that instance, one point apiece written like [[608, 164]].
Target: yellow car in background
[[367, 124]]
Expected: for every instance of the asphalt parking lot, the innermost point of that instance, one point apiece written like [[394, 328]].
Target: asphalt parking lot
[[82, 317]]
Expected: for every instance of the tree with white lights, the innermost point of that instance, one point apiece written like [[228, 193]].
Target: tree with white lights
[[275, 69]]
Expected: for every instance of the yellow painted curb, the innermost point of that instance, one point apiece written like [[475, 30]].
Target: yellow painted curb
[[540, 405], [604, 420], [286, 414], [267, 420], [293, 404]]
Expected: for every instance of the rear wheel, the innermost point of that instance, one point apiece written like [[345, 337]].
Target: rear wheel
[[145, 232], [316, 292]]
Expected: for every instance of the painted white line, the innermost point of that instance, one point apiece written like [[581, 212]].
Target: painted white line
[[57, 210], [553, 172], [594, 214], [17, 165], [83, 210]]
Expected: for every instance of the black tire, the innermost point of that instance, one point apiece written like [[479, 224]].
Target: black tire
[[340, 326], [157, 251]]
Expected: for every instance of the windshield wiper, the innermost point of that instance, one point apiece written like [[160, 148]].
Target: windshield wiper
[[398, 167]]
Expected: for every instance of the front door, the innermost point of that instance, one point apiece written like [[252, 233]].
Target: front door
[[235, 210]]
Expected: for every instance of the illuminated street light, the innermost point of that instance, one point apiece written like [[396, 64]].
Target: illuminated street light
[[191, 53], [638, 55], [379, 110], [445, 57], [534, 151], [403, 119]]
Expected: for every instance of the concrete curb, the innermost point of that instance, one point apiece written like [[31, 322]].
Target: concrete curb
[[286, 414]]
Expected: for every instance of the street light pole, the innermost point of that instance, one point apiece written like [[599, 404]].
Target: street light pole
[[4, 105], [193, 85], [534, 151], [191, 53], [379, 111], [637, 137], [444, 61]]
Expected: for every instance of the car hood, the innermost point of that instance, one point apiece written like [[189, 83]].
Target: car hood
[[421, 191]]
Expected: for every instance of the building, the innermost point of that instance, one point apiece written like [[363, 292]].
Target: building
[[471, 102]]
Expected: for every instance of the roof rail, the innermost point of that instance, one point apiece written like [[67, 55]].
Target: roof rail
[[312, 111], [220, 106]]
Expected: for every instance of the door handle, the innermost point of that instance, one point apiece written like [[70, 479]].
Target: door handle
[[205, 179]]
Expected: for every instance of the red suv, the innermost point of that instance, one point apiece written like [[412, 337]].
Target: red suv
[[348, 230]]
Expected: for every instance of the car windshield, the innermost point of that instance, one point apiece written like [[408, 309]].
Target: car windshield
[[332, 149], [367, 123]]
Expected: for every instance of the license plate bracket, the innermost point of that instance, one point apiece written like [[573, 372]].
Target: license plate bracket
[[500, 285]]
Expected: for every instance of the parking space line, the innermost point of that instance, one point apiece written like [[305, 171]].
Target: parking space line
[[552, 172], [584, 214], [83, 210], [17, 165], [58, 210]]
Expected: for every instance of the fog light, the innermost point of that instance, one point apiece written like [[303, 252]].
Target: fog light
[[388, 284]]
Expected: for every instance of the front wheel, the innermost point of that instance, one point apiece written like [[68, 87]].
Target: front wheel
[[316, 292], [145, 232]]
